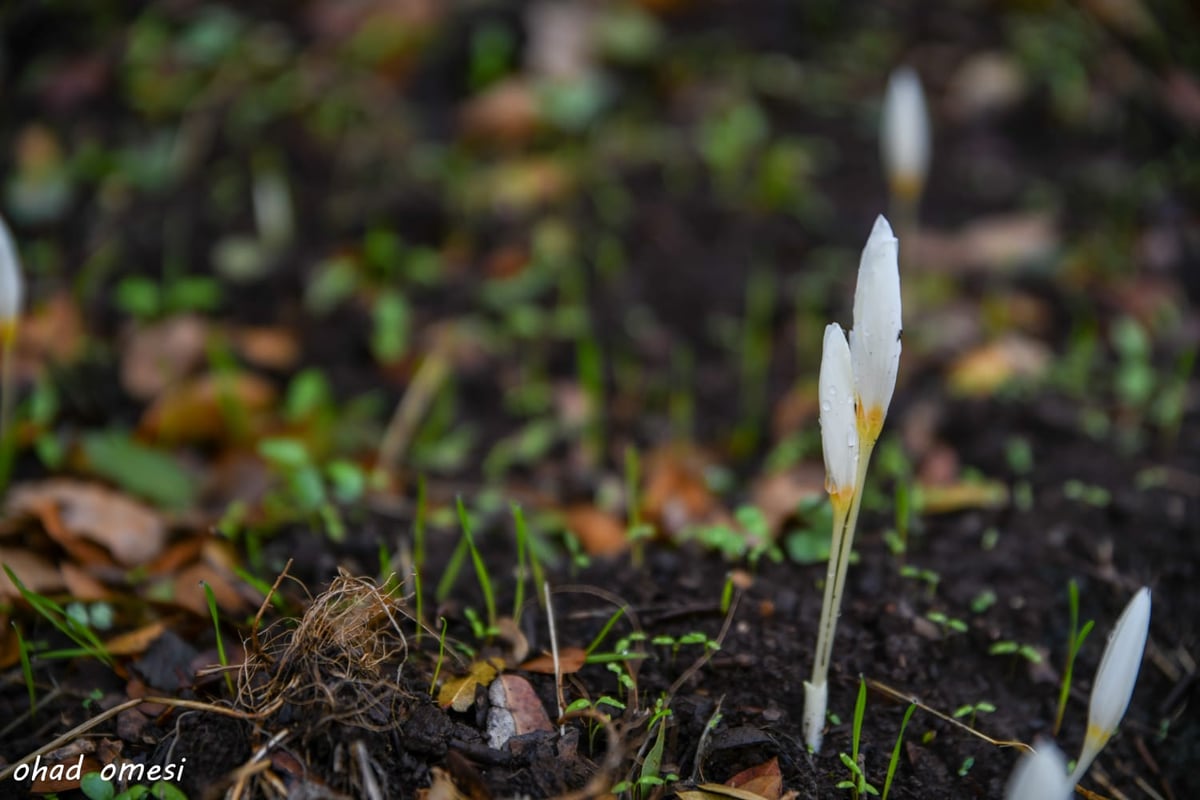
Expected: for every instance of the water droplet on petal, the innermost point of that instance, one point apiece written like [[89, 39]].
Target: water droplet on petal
[[825, 407]]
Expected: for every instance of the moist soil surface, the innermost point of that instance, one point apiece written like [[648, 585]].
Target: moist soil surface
[[1024, 485]]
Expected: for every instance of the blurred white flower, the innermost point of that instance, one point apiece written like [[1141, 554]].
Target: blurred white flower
[[839, 432], [12, 286], [904, 135], [1115, 679], [1041, 775], [875, 338]]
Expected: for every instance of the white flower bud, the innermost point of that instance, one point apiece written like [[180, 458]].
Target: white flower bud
[[904, 134], [875, 338], [12, 287], [839, 432], [1115, 678]]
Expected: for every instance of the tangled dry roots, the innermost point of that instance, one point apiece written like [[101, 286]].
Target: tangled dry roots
[[341, 666]]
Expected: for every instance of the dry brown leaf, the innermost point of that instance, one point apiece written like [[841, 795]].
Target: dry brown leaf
[[189, 593], [516, 710], [764, 780], [459, 693], [980, 372], [52, 333], [962, 496], [136, 641], [195, 410], [719, 791], [506, 114], [271, 348], [570, 659], [600, 533], [676, 492], [82, 585], [993, 243], [160, 354], [508, 632], [131, 531], [38, 574], [779, 494], [441, 787], [80, 550]]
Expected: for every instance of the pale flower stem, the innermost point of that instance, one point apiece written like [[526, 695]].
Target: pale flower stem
[[829, 606], [844, 524], [905, 219]]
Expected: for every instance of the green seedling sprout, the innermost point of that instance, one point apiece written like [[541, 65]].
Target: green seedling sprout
[[441, 659], [221, 656], [894, 761], [1115, 679], [972, 710], [1011, 648], [1075, 640], [12, 293], [481, 573], [858, 780], [77, 631], [26, 670], [855, 385]]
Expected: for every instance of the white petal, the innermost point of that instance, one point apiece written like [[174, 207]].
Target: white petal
[[875, 339], [839, 432], [904, 129], [1116, 677], [1041, 775], [11, 285]]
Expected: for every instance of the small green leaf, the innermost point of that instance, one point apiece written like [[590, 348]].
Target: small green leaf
[[141, 470]]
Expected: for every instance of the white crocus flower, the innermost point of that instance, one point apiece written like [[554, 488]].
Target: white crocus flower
[[839, 432], [12, 289], [855, 387], [875, 339], [1040, 775], [904, 135], [1115, 679]]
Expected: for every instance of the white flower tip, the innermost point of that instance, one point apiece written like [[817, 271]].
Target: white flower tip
[[904, 140], [875, 340], [839, 429], [1041, 775], [12, 285], [1119, 666]]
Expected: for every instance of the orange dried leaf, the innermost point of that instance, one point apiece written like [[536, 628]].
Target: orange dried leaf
[[765, 780], [195, 410], [459, 693], [600, 533], [272, 348], [964, 495], [134, 642], [980, 372], [570, 659], [676, 491], [189, 593]]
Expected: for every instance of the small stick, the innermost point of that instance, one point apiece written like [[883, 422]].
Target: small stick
[[558, 688], [904, 698]]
